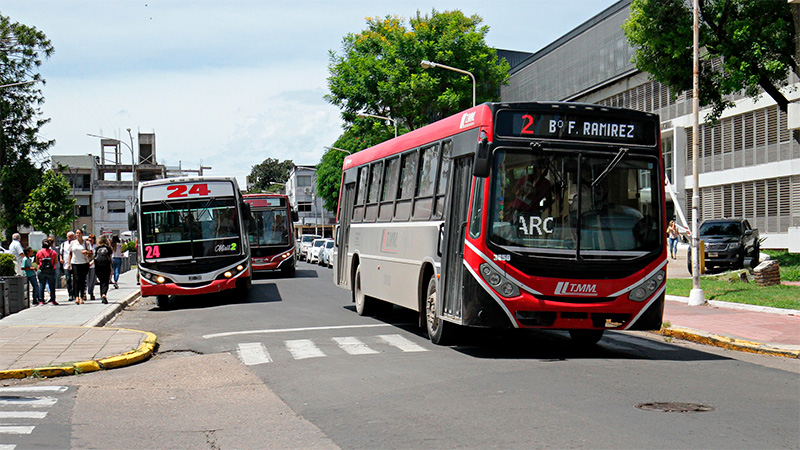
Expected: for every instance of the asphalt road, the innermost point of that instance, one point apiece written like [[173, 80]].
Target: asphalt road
[[228, 369]]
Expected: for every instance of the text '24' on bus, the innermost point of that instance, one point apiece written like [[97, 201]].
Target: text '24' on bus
[[272, 243], [192, 238], [510, 215]]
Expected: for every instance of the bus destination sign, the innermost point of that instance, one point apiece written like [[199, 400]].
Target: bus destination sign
[[577, 126]]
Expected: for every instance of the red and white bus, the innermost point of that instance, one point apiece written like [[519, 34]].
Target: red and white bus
[[523, 215], [272, 245], [192, 237]]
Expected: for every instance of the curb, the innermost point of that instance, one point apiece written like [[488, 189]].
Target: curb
[[144, 351], [702, 337], [113, 310]]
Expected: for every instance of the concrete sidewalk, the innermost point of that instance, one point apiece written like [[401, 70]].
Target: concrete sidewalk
[[65, 339]]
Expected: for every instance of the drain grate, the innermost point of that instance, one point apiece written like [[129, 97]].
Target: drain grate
[[674, 407]]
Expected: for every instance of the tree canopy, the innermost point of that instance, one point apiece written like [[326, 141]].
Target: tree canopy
[[22, 49], [270, 175], [746, 45], [51, 207], [378, 72]]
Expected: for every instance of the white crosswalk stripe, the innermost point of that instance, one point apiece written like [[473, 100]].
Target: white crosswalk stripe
[[354, 346], [36, 402], [253, 353], [14, 412], [8, 446], [395, 340], [11, 429], [303, 349], [23, 414]]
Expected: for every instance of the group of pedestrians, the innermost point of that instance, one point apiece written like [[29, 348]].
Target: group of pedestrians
[[83, 262]]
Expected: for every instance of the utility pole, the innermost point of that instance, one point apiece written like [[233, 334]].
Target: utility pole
[[696, 296]]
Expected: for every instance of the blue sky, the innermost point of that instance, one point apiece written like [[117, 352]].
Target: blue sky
[[228, 84]]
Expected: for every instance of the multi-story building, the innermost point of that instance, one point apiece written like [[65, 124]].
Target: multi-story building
[[301, 188], [749, 162]]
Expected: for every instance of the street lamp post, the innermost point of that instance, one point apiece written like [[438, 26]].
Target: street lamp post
[[394, 122], [340, 149], [430, 65], [133, 162]]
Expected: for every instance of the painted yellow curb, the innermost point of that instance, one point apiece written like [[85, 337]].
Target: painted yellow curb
[[144, 351], [701, 337]]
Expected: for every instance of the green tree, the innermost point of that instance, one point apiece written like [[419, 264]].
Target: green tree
[[747, 45], [22, 49], [378, 70], [51, 207], [359, 135], [263, 176]]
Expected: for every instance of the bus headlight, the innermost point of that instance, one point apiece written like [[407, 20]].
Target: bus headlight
[[228, 274], [160, 279], [648, 288], [500, 283], [240, 267]]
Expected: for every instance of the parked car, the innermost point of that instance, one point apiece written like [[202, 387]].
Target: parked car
[[326, 254], [729, 242], [314, 250], [305, 243]]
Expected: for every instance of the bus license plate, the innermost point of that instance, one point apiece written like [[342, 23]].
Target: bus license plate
[[195, 277]]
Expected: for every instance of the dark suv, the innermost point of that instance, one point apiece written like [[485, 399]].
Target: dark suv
[[729, 242]]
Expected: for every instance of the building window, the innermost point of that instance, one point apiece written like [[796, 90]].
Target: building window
[[667, 152], [116, 206], [304, 180], [83, 210], [304, 207]]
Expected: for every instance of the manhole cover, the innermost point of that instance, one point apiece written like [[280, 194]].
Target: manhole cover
[[675, 407]]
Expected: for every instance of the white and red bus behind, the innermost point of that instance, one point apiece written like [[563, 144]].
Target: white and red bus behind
[[192, 238], [272, 245], [510, 215]]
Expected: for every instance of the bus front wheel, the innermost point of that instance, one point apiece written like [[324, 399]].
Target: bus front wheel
[[162, 301], [440, 332]]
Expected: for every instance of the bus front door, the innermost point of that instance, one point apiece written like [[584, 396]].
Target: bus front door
[[454, 233], [340, 249]]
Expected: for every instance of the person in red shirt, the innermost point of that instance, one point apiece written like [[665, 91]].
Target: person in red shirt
[[47, 259]]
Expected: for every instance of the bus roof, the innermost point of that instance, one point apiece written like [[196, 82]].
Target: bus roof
[[478, 116], [187, 180]]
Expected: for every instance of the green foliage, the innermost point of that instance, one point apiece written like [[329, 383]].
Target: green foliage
[[22, 49], [789, 264], [50, 207], [263, 176], [777, 296], [378, 70], [7, 265], [746, 45]]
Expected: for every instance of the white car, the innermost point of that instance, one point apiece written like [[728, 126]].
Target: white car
[[305, 243], [314, 250], [326, 254]]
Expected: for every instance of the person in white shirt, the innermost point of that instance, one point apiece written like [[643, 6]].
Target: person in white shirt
[[19, 253], [78, 262], [64, 257]]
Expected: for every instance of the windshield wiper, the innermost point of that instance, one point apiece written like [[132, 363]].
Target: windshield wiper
[[621, 154], [537, 147]]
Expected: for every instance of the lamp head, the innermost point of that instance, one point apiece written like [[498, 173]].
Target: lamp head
[[427, 64]]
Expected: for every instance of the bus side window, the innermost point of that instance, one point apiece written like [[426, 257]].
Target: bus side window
[[444, 175], [361, 194], [391, 175], [374, 189], [477, 209], [408, 177], [426, 178]]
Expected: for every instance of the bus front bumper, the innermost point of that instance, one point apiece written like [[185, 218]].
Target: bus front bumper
[[148, 288]]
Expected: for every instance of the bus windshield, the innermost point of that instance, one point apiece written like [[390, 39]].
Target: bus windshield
[[574, 205], [190, 228], [270, 228]]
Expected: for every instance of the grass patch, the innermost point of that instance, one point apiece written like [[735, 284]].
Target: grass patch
[[789, 262], [779, 296]]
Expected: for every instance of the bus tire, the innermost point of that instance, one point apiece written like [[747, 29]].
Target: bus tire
[[163, 302], [289, 270], [365, 305], [440, 332], [586, 337]]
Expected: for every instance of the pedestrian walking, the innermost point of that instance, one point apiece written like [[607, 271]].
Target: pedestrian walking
[[116, 244], [47, 259], [102, 265], [672, 235], [16, 249], [29, 267], [64, 257], [91, 277], [80, 254]]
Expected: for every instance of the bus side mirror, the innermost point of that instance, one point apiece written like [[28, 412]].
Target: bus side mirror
[[132, 221], [295, 217], [483, 159]]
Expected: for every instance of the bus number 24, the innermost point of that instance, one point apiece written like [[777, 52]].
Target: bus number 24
[[182, 190], [152, 251]]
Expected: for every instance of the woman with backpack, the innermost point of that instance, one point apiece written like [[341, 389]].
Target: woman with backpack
[[102, 265], [47, 259], [29, 267], [78, 261]]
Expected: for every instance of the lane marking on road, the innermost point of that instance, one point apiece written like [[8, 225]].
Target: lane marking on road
[[4, 429], [289, 330], [354, 346], [8, 446], [34, 389], [23, 414], [36, 402], [253, 353], [303, 349], [395, 340]]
